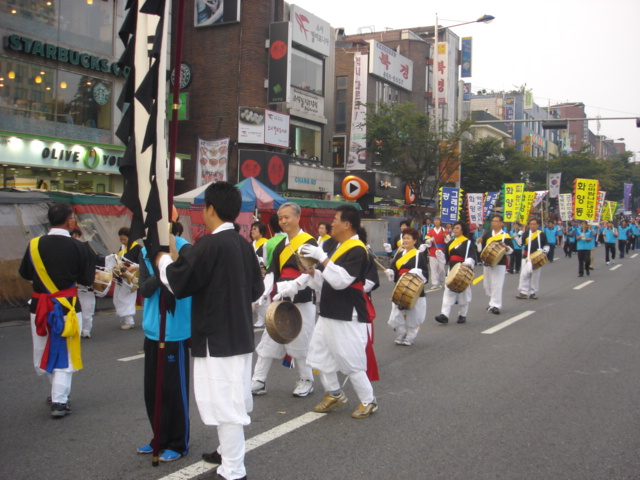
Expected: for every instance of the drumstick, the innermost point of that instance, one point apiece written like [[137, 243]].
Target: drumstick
[[375, 259]]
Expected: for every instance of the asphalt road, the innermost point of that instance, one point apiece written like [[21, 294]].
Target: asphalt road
[[553, 395]]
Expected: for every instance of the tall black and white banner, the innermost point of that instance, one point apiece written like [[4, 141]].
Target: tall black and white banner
[[144, 165]]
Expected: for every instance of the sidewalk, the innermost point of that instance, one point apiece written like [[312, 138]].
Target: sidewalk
[[22, 313]]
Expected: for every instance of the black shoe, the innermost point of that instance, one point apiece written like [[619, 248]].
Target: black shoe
[[461, 319], [588, 272], [442, 319], [580, 275], [495, 310], [59, 410], [212, 457], [521, 296]]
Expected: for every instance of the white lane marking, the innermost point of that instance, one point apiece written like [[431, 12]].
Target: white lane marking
[[582, 285], [634, 255], [506, 323], [615, 267], [128, 359], [201, 467]]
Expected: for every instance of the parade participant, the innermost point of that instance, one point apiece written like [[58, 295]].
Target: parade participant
[[623, 238], [372, 281], [258, 230], [222, 275], [341, 337], [610, 234], [436, 240], [424, 230], [289, 283], [551, 232], [494, 275], [324, 232], [458, 249], [85, 296], [55, 263], [515, 262], [174, 423], [633, 238], [569, 239], [391, 248], [278, 236], [532, 240], [123, 298], [406, 323], [585, 241]]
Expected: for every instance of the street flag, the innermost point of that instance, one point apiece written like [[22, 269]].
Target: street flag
[[600, 206], [540, 194], [525, 207], [450, 204], [628, 187], [512, 196], [144, 165], [565, 206], [554, 184], [489, 203], [585, 198], [474, 208]]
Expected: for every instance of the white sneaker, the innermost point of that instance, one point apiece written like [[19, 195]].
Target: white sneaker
[[435, 287], [127, 326], [258, 387], [303, 388], [400, 339], [86, 334]]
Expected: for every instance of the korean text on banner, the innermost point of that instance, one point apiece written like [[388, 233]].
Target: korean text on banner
[[449, 204], [489, 203], [512, 194], [600, 205], [565, 206], [585, 198], [474, 207], [525, 206], [357, 159], [212, 160]]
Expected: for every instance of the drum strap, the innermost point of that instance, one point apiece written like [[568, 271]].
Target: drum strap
[[499, 237], [294, 244], [259, 243], [457, 241], [406, 258]]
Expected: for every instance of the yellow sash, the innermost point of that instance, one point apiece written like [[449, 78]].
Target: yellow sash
[[348, 245], [399, 242], [497, 238], [532, 237], [324, 238], [293, 246], [125, 249], [456, 242], [71, 325], [405, 258], [259, 243]]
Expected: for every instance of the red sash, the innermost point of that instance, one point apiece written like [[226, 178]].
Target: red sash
[[402, 271], [45, 306], [456, 258], [372, 363]]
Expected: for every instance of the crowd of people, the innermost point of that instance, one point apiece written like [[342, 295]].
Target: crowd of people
[[217, 290]]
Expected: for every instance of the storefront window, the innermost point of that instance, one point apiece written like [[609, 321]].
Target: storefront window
[[306, 72], [306, 140], [57, 103], [55, 180], [85, 23]]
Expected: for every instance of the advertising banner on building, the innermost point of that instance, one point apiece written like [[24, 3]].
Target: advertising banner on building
[[512, 194], [628, 187], [528, 100], [251, 125], [215, 12], [357, 159], [212, 161], [388, 64], [279, 62], [276, 129], [554, 184], [306, 102], [466, 44], [585, 198], [270, 168], [449, 204], [310, 31], [565, 207], [466, 92], [474, 208], [510, 108], [443, 71]]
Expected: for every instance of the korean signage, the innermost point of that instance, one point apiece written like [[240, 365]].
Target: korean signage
[[510, 108], [310, 179], [585, 198], [465, 71], [276, 129], [600, 205], [474, 207], [357, 159], [489, 203], [388, 64], [512, 200], [183, 106], [272, 169], [306, 102], [310, 31], [279, 62], [565, 206], [449, 204], [263, 127], [608, 211], [212, 161], [525, 206], [443, 71], [466, 92]]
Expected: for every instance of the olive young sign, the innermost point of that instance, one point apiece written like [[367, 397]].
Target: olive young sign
[[64, 55]]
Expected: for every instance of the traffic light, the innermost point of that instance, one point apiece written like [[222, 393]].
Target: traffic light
[[555, 125]]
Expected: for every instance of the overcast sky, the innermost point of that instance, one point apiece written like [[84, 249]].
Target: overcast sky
[[564, 50]]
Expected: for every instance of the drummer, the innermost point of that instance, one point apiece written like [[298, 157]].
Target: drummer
[[123, 298], [408, 259], [458, 250], [532, 240], [289, 284], [85, 294], [494, 275]]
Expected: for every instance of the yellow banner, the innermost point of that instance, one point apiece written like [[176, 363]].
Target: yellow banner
[[512, 193], [525, 207], [585, 198], [609, 210]]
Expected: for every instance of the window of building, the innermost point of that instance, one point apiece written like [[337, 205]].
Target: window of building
[[89, 24], [307, 72], [341, 104], [46, 101], [306, 140]]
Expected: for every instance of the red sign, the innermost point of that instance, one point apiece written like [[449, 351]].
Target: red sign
[[354, 187]]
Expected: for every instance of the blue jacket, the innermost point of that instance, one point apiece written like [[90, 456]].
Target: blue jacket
[[551, 234], [513, 235], [609, 235], [586, 243], [178, 326], [623, 233]]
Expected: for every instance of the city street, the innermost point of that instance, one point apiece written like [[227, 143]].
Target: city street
[[553, 394]]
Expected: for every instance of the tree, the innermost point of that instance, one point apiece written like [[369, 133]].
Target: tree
[[403, 141]]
